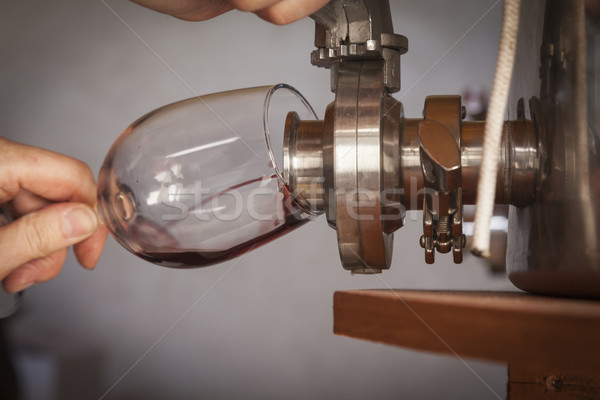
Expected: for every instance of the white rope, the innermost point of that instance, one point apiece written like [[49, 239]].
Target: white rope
[[486, 187]]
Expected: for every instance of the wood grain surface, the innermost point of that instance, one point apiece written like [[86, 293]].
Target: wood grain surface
[[540, 333]]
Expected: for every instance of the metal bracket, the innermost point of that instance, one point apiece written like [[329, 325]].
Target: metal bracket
[[358, 30]]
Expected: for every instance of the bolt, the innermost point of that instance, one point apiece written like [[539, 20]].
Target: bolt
[[552, 383]]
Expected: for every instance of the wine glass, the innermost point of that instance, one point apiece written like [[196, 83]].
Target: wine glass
[[198, 182]]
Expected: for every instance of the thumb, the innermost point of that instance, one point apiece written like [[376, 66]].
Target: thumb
[[43, 232]]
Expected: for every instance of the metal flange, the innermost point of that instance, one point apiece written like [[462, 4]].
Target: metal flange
[[357, 177]]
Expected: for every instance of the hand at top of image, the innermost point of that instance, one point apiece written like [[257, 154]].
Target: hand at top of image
[[279, 12]]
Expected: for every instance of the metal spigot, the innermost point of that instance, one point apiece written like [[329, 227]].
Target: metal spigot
[[365, 164]]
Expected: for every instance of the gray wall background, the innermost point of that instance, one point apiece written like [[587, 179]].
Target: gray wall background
[[74, 75]]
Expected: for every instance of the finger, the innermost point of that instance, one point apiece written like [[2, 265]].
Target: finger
[[35, 271], [88, 252], [189, 10], [47, 174], [43, 232], [25, 202], [252, 5], [288, 11]]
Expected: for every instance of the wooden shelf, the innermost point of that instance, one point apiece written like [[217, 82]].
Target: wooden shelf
[[550, 344]]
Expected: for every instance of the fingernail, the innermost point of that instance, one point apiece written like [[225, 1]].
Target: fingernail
[[24, 285], [12, 287], [100, 219], [78, 222]]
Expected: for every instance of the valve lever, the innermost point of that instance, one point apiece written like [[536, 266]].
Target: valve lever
[[439, 141]]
